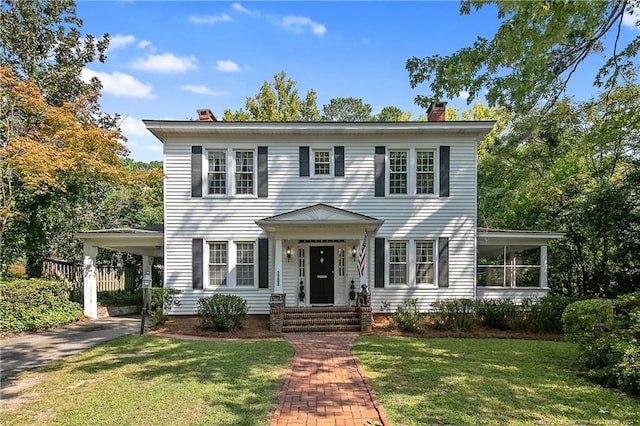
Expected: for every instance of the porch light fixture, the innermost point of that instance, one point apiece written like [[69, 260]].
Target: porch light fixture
[[288, 253], [354, 252]]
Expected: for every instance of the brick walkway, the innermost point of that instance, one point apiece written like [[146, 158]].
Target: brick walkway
[[325, 386]]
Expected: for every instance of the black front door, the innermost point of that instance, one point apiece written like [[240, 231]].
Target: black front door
[[321, 276]]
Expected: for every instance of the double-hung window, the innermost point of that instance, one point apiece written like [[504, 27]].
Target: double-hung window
[[397, 262], [425, 172], [398, 179], [424, 262], [244, 172], [322, 162], [218, 264], [245, 265], [411, 171], [217, 177]]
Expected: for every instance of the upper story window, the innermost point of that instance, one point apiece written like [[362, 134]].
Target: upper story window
[[411, 172], [322, 162], [398, 172], [425, 172], [244, 172], [231, 172], [217, 177]]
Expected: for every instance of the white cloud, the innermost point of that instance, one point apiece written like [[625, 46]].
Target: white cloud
[[165, 63], [240, 8], [201, 90], [120, 84], [211, 19], [144, 44], [227, 66], [631, 19], [119, 41], [133, 127], [463, 95], [299, 23]]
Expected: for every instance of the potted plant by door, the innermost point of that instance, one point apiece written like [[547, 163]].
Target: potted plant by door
[[301, 293]]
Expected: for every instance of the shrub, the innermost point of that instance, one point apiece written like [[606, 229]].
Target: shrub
[[607, 334], [546, 314], [163, 300], [222, 312], [407, 317], [453, 315], [120, 297], [501, 314], [35, 304]]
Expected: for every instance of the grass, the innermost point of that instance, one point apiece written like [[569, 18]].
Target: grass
[[150, 380], [486, 381]]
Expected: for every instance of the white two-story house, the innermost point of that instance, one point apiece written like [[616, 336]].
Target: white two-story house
[[310, 209]]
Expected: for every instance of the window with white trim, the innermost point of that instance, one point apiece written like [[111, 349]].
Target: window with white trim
[[398, 179], [218, 264], [425, 271], [425, 172], [217, 176], [322, 162], [397, 262], [341, 262], [245, 169], [301, 263], [245, 264], [509, 266], [411, 171]]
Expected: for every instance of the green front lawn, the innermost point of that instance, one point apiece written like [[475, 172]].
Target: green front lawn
[[486, 381], [156, 381]]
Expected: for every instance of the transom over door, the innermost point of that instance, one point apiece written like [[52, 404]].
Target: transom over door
[[321, 275]]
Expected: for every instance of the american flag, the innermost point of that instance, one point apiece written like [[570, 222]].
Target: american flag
[[362, 257]]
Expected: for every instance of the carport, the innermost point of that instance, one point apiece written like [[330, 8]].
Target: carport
[[146, 242]]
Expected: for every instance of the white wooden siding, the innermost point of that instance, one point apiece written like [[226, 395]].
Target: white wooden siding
[[406, 217]]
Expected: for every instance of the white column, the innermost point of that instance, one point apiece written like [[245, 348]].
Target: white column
[[147, 261], [277, 269], [367, 264], [543, 266], [90, 282]]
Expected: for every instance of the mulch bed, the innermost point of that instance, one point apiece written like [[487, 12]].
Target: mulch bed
[[257, 327]]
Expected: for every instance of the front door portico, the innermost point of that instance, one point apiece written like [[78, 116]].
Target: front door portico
[[321, 275]]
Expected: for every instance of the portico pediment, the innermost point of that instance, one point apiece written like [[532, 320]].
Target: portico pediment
[[320, 215]]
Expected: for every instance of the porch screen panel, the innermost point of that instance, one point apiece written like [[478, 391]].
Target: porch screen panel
[[196, 262], [338, 153], [196, 171], [444, 171], [379, 165], [263, 171], [443, 262], [304, 160], [263, 263], [379, 263]]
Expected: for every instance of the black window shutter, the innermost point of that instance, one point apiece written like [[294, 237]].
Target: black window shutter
[[196, 171], [379, 169], [444, 171], [196, 262], [263, 171], [304, 161], [443, 262], [380, 261], [263, 263], [338, 153]]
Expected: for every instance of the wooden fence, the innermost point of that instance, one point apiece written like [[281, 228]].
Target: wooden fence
[[109, 278]]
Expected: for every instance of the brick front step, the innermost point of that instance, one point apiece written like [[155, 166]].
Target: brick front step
[[320, 319]]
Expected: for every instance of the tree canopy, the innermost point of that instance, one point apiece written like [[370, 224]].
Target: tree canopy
[[277, 101], [533, 55], [346, 109]]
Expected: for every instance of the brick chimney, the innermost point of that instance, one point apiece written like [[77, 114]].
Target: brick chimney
[[437, 111], [206, 115]]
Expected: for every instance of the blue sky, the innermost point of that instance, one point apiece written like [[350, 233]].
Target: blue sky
[[169, 58]]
